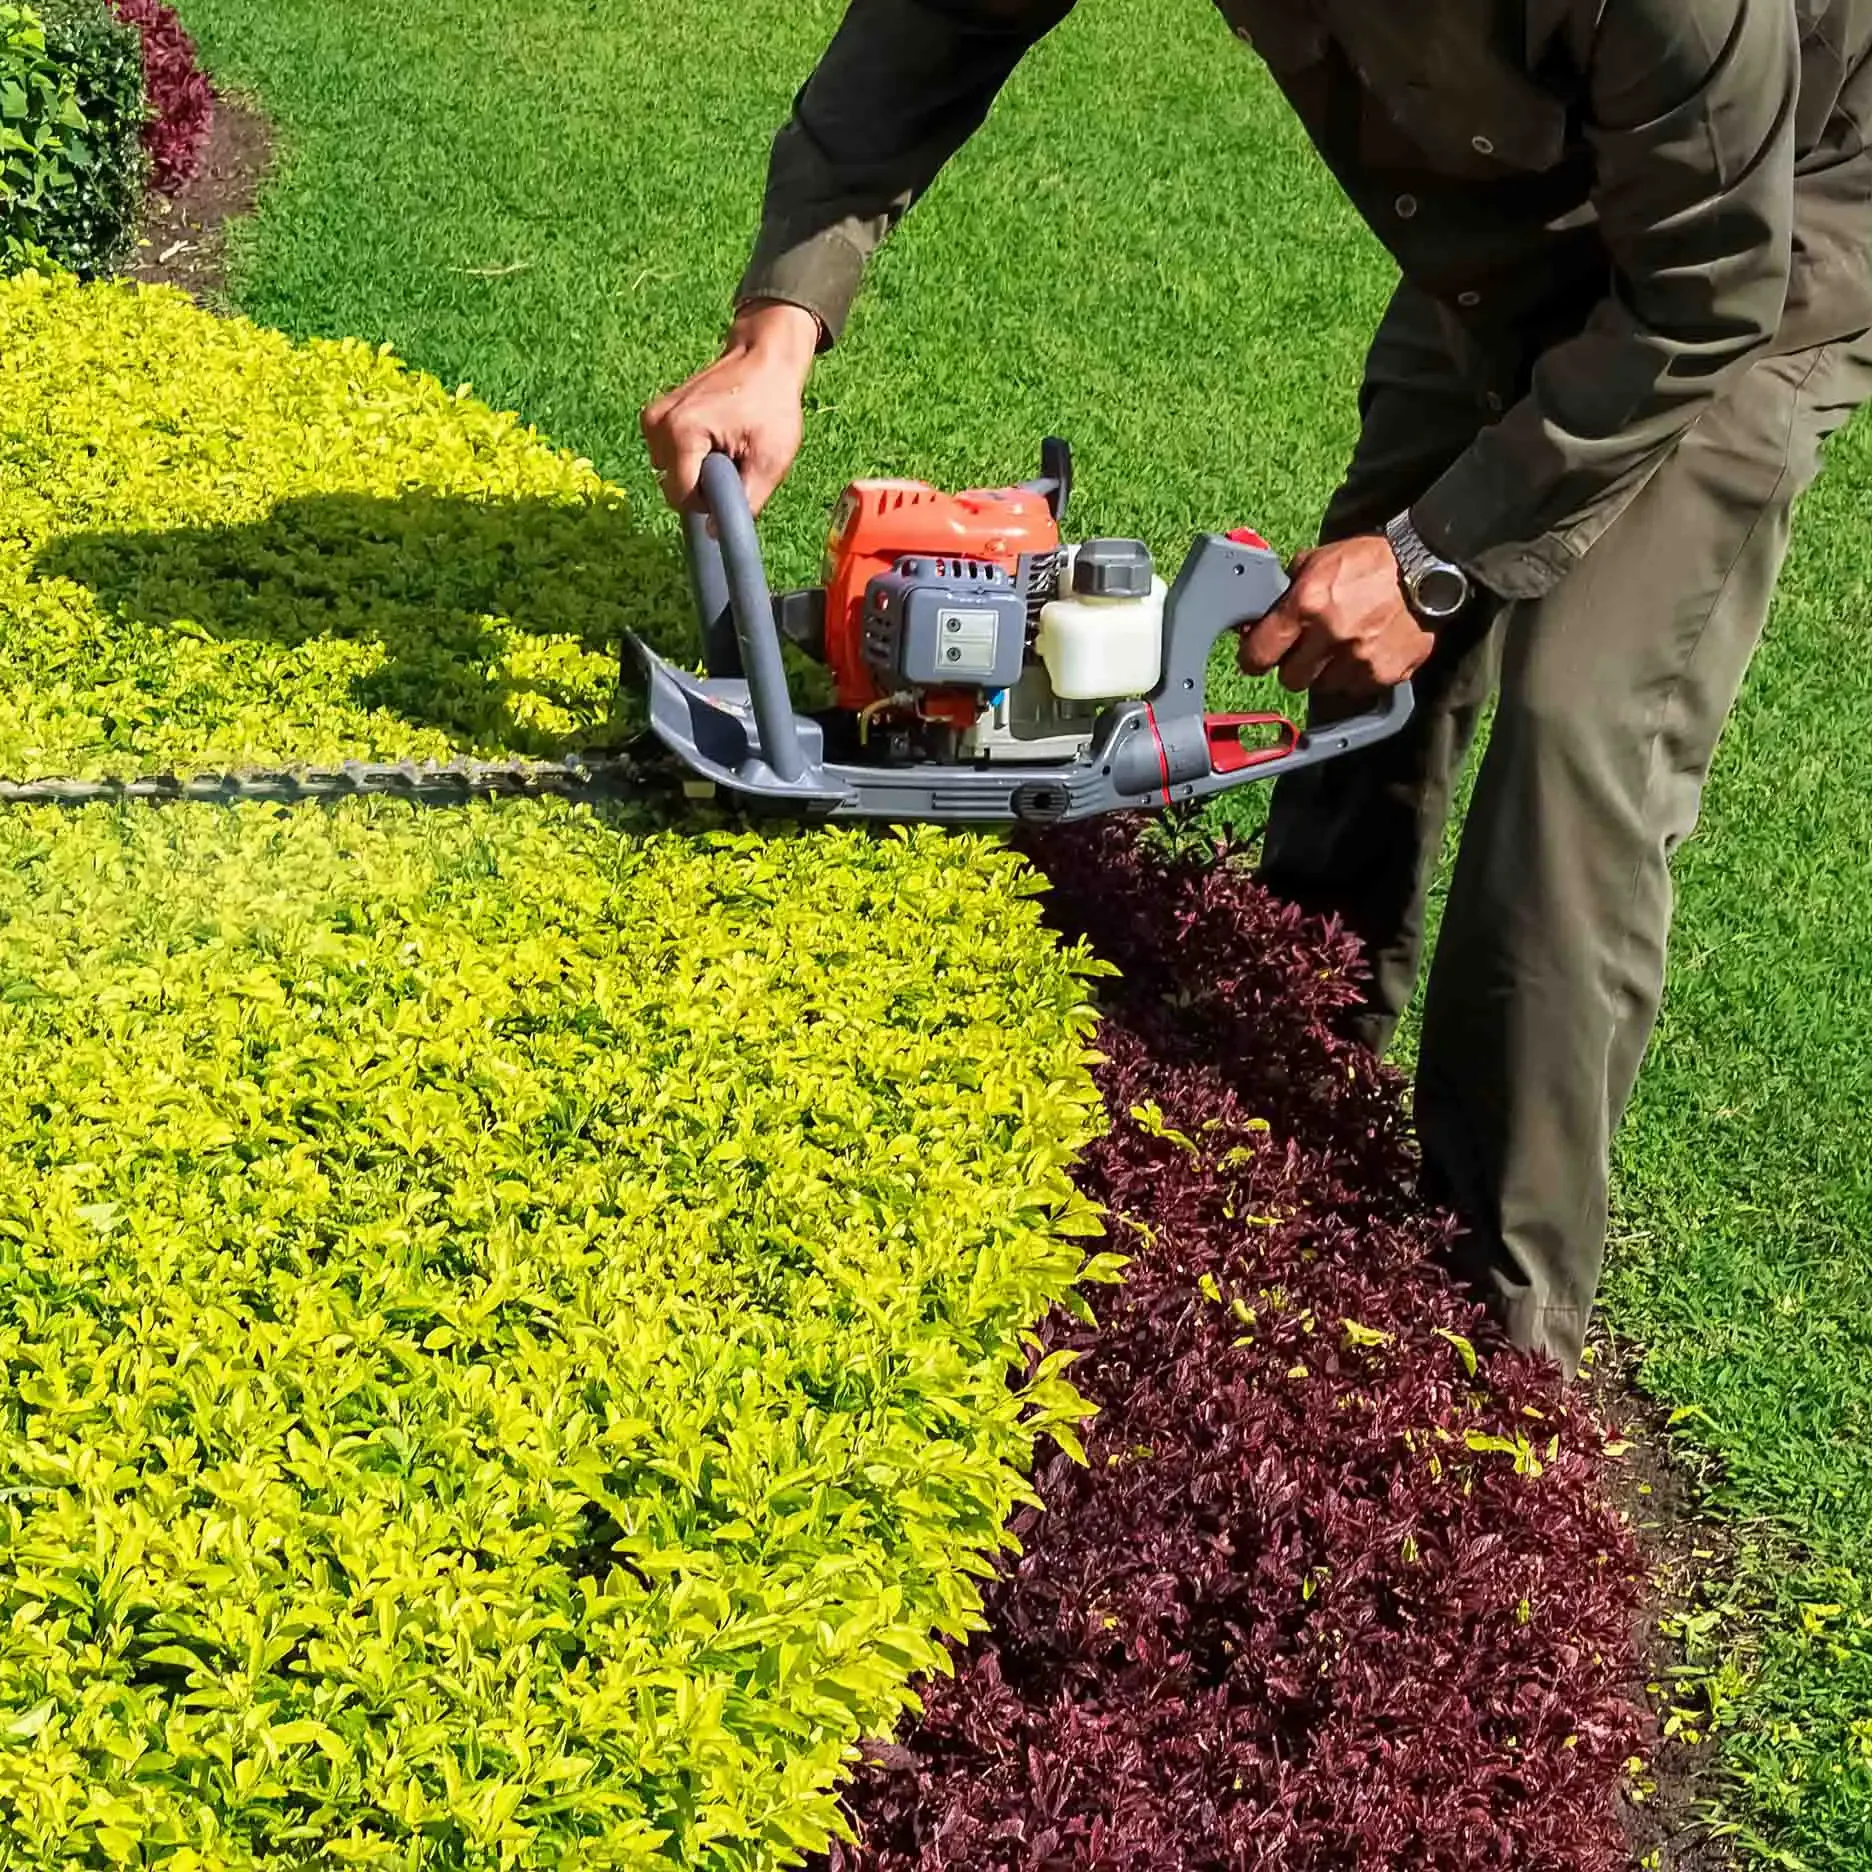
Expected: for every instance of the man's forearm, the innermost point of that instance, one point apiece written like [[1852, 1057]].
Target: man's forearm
[[903, 84]]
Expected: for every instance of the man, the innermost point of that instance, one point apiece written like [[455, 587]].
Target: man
[[1635, 240]]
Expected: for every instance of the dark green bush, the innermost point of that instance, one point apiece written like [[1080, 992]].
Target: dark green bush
[[96, 230], [73, 168], [37, 114]]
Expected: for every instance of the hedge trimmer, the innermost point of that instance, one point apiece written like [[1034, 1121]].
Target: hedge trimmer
[[983, 670]]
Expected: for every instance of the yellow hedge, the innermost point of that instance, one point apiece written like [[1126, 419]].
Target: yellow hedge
[[512, 1317]]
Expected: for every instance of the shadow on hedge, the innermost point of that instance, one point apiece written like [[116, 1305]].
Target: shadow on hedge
[[423, 575]]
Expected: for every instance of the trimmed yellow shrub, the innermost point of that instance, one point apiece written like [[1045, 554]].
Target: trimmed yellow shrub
[[513, 1318], [219, 546]]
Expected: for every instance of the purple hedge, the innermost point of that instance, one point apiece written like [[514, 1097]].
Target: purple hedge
[[181, 99], [1322, 1597]]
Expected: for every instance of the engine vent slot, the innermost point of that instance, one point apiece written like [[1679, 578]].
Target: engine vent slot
[[1040, 581]]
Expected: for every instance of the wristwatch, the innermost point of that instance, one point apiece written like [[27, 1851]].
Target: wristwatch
[[1433, 588]]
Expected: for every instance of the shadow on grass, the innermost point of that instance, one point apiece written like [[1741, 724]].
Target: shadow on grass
[[441, 583]]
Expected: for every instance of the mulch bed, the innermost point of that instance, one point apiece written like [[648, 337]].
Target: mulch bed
[[183, 240], [1658, 1494]]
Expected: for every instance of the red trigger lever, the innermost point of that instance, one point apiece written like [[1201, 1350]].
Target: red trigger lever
[[1229, 753]]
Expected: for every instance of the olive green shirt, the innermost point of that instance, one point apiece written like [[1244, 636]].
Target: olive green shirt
[[1619, 203]]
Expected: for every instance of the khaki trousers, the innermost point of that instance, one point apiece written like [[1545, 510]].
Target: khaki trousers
[[1611, 693]]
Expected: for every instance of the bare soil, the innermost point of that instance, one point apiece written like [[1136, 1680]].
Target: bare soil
[[1658, 1492], [184, 240]]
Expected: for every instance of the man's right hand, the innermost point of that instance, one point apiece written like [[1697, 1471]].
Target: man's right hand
[[748, 405]]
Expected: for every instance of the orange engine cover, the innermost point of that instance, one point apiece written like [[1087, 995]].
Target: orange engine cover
[[877, 523]]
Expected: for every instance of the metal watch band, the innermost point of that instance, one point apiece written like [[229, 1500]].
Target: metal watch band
[[1418, 565]]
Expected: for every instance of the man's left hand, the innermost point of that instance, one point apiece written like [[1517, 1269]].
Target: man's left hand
[[1342, 627]]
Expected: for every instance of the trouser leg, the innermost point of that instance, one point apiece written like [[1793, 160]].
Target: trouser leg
[[1359, 836], [1550, 963]]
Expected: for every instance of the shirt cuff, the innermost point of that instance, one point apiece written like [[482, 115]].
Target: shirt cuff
[[821, 275], [1462, 519]]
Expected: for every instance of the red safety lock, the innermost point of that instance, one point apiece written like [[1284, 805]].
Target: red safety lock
[[1229, 753]]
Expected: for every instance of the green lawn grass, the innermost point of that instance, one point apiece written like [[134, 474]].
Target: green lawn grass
[[1141, 254]]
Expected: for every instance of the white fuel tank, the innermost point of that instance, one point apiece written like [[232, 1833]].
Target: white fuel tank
[[1102, 638]]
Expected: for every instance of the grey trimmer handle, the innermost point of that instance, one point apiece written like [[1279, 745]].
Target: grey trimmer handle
[[708, 586], [1226, 582], [728, 578]]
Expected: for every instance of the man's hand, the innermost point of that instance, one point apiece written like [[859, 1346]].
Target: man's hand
[[748, 404], [1342, 627]]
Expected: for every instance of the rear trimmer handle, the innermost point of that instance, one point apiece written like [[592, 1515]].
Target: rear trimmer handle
[[728, 567], [1224, 584]]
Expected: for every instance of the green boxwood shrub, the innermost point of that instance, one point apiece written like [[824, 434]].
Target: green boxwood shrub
[[73, 169], [515, 1320], [39, 114]]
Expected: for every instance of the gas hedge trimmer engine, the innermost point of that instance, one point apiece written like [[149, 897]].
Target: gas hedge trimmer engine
[[982, 666], [962, 627]]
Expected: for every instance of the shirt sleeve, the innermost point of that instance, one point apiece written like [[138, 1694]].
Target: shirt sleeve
[[1691, 116], [903, 84]]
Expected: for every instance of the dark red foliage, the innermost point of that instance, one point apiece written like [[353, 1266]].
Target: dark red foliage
[[1289, 1615], [179, 94]]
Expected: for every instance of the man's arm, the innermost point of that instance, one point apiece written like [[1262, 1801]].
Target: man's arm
[[1691, 113], [903, 84]]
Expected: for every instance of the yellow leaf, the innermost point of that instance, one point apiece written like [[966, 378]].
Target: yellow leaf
[[1464, 1350]]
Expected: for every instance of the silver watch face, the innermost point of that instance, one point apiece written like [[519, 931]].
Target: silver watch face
[[1440, 590]]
